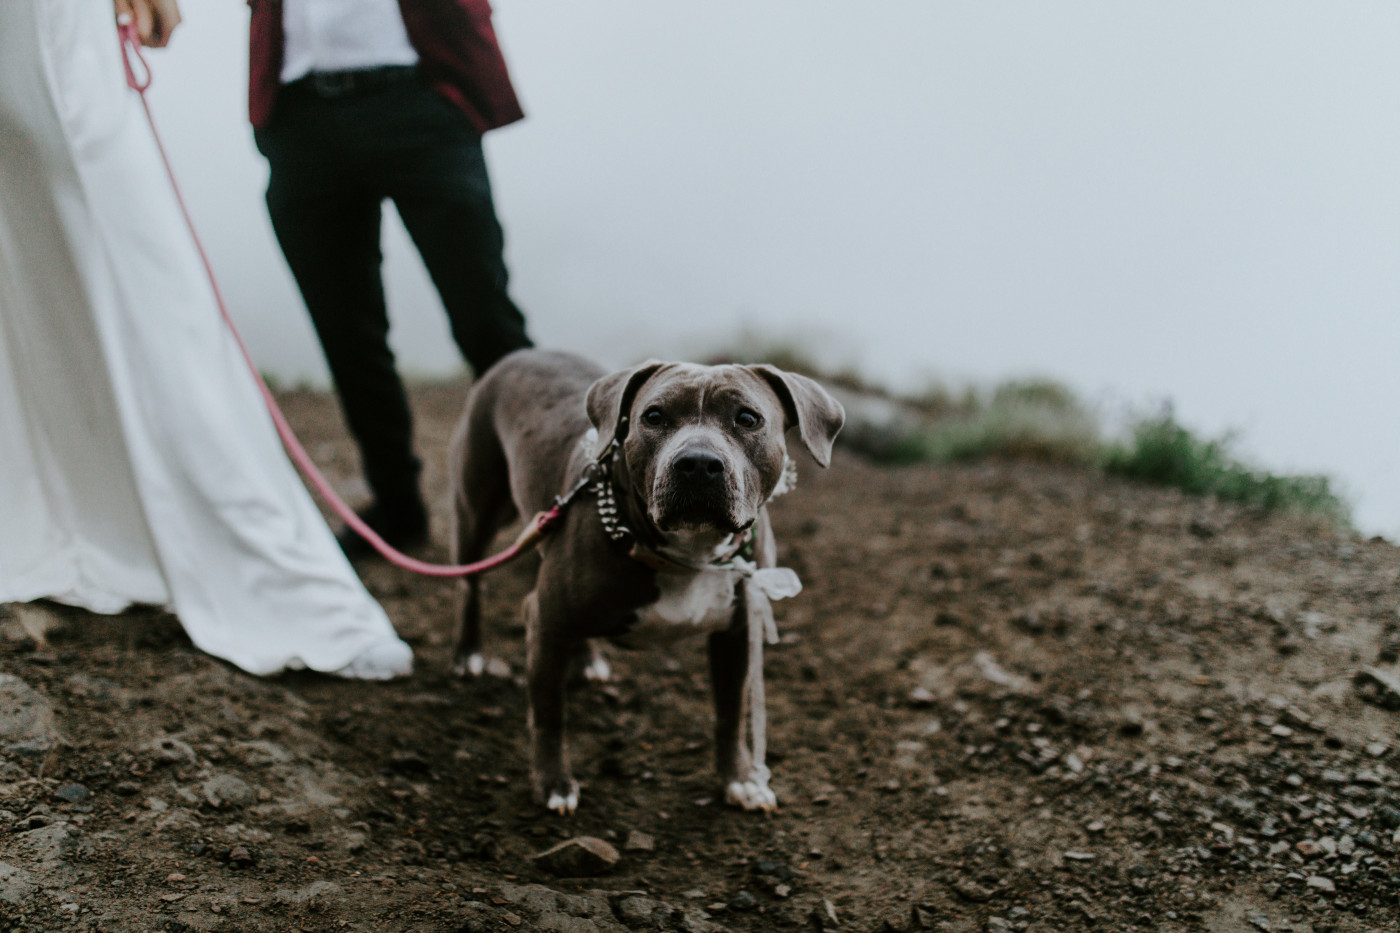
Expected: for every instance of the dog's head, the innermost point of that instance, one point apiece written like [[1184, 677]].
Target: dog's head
[[704, 446]]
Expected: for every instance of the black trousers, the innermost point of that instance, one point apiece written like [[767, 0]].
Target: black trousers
[[334, 161]]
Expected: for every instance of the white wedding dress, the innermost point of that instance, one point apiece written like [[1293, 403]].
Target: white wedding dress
[[137, 463]]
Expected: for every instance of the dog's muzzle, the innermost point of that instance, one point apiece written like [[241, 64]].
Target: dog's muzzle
[[698, 488]]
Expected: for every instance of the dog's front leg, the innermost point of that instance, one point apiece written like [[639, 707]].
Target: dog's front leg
[[744, 785], [547, 660]]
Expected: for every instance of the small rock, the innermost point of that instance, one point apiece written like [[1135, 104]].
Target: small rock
[[26, 719], [1029, 622], [743, 900], [53, 842], [638, 841], [16, 884], [169, 749], [921, 696], [320, 895], [991, 671], [824, 917], [1379, 686], [922, 916], [126, 789], [1080, 856], [72, 793], [1308, 848], [999, 925], [1203, 528], [409, 763], [580, 857], [33, 622], [972, 891], [1376, 749], [239, 857], [1319, 883], [636, 910], [226, 790]]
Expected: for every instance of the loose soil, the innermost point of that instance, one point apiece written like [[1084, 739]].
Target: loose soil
[[1012, 696]]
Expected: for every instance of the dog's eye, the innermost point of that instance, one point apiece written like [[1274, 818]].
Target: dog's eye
[[653, 417], [747, 419]]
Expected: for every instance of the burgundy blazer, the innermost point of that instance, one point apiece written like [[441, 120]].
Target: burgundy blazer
[[457, 54]]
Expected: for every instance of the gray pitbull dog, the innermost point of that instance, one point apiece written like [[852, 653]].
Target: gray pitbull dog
[[675, 463]]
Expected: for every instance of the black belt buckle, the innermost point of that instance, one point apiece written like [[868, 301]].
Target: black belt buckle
[[332, 83]]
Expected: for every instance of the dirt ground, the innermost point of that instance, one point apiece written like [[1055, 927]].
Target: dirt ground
[[1011, 697]]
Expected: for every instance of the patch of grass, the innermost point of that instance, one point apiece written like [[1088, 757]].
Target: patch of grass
[[1032, 420], [1164, 453]]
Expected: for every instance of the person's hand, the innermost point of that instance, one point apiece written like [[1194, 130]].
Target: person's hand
[[155, 19]]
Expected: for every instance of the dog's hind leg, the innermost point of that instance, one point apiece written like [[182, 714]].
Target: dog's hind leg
[[481, 504], [596, 668]]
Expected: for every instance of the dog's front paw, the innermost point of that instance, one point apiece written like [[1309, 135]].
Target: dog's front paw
[[563, 800], [751, 795], [476, 664], [598, 671]]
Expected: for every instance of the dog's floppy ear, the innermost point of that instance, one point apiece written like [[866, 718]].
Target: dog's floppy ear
[[810, 408], [610, 399]]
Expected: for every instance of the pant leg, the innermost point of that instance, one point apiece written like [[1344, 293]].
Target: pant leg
[[443, 193], [327, 220]]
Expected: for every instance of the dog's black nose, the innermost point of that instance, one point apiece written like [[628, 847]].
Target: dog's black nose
[[699, 466]]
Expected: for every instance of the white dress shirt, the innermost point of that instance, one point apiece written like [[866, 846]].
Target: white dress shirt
[[342, 35]]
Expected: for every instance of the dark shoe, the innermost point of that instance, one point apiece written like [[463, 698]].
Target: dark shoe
[[401, 528]]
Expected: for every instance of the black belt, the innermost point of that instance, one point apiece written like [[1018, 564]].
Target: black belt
[[355, 81]]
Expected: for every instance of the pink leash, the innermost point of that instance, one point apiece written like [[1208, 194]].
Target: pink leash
[[539, 526]]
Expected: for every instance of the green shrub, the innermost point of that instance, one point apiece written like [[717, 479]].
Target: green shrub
[[1164, 453], [1034, 424]]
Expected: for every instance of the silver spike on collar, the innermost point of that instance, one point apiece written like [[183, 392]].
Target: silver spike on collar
[[607, 508]]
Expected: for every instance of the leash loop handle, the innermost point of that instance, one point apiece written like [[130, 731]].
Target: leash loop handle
[[138, 79]]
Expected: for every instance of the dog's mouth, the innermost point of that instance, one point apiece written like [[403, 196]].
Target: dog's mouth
[[679, 510]]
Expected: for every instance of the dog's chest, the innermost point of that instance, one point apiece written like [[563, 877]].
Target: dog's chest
[[689, 605]]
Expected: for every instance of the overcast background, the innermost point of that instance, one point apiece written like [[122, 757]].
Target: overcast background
[[1186, 201]]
